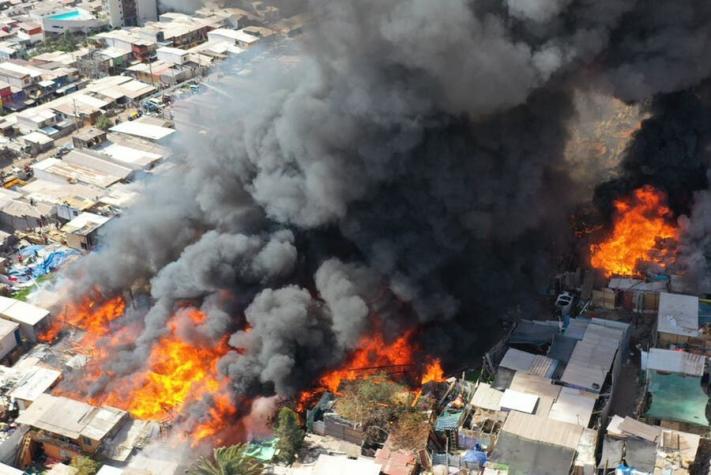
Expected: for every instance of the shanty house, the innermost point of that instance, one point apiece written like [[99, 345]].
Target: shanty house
[[673, 361], [82, 231], [66, 428], [31, 383], [532, 444], [678, 400], [677, 319], [144, 130], [89, 138], [31, 318], [37, 142], [596, 355], [636, 295]]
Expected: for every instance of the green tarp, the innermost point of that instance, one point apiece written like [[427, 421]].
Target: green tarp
[[679, 398], [263, 450]]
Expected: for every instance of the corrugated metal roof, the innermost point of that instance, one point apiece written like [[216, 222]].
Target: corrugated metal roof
[[678, 314], [543, 430], [639, 429], [542, 387], [573, 406], [519, 401], [593, 356], [518, 360], [673, 361], [486, 397], [576, 328]]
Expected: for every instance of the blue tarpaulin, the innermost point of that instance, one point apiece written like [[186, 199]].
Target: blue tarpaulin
[[476, 457], [38, 262]]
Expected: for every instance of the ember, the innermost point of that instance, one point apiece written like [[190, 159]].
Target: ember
[[642, 223]]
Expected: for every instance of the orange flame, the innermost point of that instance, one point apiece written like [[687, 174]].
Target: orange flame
[[433, 372], [177, 374], [86, 314], [641, 222], [374, 355]]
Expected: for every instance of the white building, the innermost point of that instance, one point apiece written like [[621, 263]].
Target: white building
[[172, 55], [131, 12], [74, 20]]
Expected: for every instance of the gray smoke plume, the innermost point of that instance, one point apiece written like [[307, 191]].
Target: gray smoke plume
[[404, 163]]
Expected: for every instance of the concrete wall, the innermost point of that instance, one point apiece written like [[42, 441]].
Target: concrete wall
[[8, 343], [51, 25]]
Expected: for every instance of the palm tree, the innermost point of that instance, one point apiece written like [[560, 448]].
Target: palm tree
[[227, 461]]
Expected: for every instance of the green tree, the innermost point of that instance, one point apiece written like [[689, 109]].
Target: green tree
[[85, 465], [67, 43], [103, 122], [227, 461], [290, 434]]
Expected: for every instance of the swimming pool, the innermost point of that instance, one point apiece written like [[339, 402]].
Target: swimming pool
[[70, 15]]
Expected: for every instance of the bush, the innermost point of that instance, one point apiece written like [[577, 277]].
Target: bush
[[85, 465], [290, 434]]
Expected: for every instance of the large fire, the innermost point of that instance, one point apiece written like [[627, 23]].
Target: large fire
[[642, 224], [176, 375], [375, 355]]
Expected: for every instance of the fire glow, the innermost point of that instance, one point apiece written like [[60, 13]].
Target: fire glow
[[373, 355], [642, 223], [178, 373]]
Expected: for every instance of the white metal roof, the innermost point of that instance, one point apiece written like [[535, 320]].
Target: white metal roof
[[593, 356], [21, 312], [37, 137], [678, 314], [8, 470], [542, 429], [640, 430], [341, 465], [131, 156], [519, 401], [70, 418], [673, 361], [573, 406], [34, 383], [486, 397], [546, 391], [109, 470], [148, 131], [85, 222], [523, 361]]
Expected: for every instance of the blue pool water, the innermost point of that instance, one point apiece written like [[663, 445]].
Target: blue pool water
[[70, 15]]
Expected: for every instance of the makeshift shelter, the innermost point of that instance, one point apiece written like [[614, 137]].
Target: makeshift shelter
[[639, 454], [678, 318], [679, 398], [533, 333], [673, 361], [525, 456]]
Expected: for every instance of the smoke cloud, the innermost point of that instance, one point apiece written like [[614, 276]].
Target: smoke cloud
[[407, 163]]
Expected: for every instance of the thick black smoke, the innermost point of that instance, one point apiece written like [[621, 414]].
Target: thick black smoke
[[669, 151], [404, 164]]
